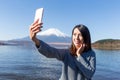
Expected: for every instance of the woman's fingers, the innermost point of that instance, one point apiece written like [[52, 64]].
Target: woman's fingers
[[80, 49], [36, 26]]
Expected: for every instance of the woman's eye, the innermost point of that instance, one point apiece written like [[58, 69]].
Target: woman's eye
[[74, 34]]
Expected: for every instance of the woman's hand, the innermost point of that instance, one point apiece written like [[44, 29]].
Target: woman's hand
[[80, 49], [34, 29]]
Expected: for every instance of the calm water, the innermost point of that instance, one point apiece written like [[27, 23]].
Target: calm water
[[25, 63]]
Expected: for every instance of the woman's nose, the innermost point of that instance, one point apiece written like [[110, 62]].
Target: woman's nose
[[77, 36]]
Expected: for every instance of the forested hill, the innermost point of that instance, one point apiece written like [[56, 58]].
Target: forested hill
[[111, 44]]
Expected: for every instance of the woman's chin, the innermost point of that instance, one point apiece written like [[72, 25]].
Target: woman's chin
[[77, 46]]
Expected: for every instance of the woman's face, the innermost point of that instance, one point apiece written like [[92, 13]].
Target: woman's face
[[77, 38]]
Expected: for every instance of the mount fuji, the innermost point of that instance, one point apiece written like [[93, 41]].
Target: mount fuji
[[53, 31], [51, 35]]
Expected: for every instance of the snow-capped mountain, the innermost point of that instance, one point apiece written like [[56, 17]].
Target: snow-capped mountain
[[53, 31], [51, 35]]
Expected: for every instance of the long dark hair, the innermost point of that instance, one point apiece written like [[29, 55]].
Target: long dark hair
[[86, 37]]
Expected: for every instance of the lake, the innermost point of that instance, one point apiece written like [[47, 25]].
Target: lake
[[25, 63]]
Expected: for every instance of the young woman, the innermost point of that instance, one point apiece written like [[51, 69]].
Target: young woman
[[79, 62]]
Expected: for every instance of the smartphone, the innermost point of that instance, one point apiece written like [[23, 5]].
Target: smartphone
[[39, 14]]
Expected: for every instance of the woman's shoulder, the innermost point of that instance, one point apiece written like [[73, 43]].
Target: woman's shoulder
[[90, 53]]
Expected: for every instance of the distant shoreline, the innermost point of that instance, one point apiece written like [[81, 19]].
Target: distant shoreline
[[105, 44]]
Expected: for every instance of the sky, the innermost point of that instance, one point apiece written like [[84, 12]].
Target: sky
[[100, 16]]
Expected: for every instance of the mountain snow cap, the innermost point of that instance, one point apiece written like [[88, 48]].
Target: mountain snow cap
[[53, 31]]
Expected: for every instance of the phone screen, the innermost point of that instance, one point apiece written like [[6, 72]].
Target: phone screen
[[39, 14]]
